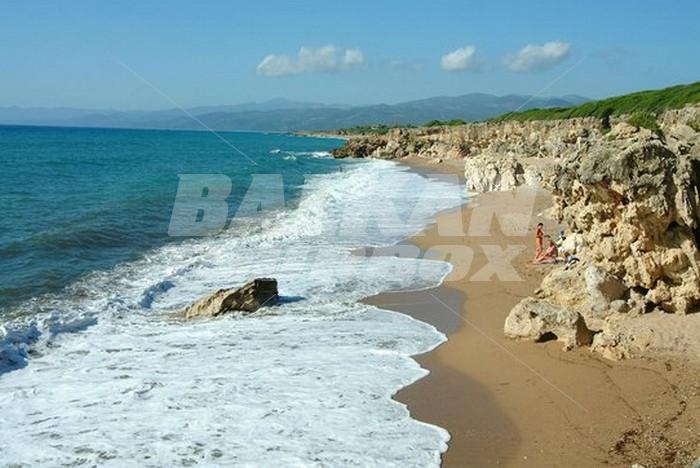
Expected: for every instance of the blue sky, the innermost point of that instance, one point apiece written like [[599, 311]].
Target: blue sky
[[80, 53]]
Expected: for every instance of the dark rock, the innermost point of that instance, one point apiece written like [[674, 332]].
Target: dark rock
[[248, 298]]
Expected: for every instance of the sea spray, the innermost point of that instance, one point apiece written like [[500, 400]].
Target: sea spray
[[307, 382]]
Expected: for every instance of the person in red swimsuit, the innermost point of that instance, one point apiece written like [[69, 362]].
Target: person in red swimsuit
[[539, 240]]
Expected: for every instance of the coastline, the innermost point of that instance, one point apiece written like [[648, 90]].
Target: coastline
[[304, 349], [327, 135], [509, 403]]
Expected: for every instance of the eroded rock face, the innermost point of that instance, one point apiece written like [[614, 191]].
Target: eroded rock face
[[536, 320], [630, 201], [537, 139], [485, 174], [633, 203], [602, 289], [636, 205], [248, 298]]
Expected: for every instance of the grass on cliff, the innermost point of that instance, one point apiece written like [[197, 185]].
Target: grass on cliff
[[445, 123], [647, 102], [695, 124], [382, 129], [369, 129], [643, 119]]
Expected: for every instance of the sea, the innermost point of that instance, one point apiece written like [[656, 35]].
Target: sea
[[107, 234]]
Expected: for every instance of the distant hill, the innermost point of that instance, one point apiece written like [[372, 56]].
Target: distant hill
[[283, 115], [470, 107], [651, 102], [62, 116]]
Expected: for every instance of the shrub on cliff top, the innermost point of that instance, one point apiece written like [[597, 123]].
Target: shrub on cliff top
[[695, 124], [445, 123], [379, 129], [654, 102], [642, 119]]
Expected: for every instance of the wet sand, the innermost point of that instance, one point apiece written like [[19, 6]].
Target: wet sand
[[511, 403]]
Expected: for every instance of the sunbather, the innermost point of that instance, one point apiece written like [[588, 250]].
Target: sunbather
[[550, 255]]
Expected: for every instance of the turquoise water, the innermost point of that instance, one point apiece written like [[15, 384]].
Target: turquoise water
[[77, 200], [95, 370]]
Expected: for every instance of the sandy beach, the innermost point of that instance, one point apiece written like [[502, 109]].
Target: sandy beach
[[511, 403]]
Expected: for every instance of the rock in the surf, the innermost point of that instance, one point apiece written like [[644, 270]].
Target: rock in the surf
[[248, 298]]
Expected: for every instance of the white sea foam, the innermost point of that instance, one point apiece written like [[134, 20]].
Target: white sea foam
[[114, 380], [293, 154]]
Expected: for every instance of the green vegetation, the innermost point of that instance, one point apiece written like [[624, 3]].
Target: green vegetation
[[381, 129], [643, 119], [695, 124], [445, 123], [650, 102], [641, 108], [369, 129]]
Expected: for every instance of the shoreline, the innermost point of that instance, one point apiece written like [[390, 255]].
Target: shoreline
[[511, 403]]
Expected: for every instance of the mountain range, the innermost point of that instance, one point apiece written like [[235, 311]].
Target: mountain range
[[282, 115]]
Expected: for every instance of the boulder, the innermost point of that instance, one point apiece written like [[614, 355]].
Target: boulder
[[492, 172], [486, 174], [248, 298], [537, 320], [602, 288], [572, 245], [586, 289]]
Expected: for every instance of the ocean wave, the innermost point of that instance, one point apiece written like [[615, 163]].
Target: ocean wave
[[314, 377], [292, 155], [152, 292]]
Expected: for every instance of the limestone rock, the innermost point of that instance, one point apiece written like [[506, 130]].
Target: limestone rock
[[653, 334], [625, 131], [602, 288], [248, 298], [587, 290], [484, 174], [682, 138], [616, 345], [619, 306], [566, 288], [572, 245], [629, 198], [536, 139], [636, 205], [488, 172], [536, 320]]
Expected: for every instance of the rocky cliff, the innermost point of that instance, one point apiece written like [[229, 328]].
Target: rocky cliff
[[531, 139], [629, 196], [633, 200]]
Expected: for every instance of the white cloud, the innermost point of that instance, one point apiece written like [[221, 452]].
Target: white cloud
[[459, 60], [325, 59], [535, 57]]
